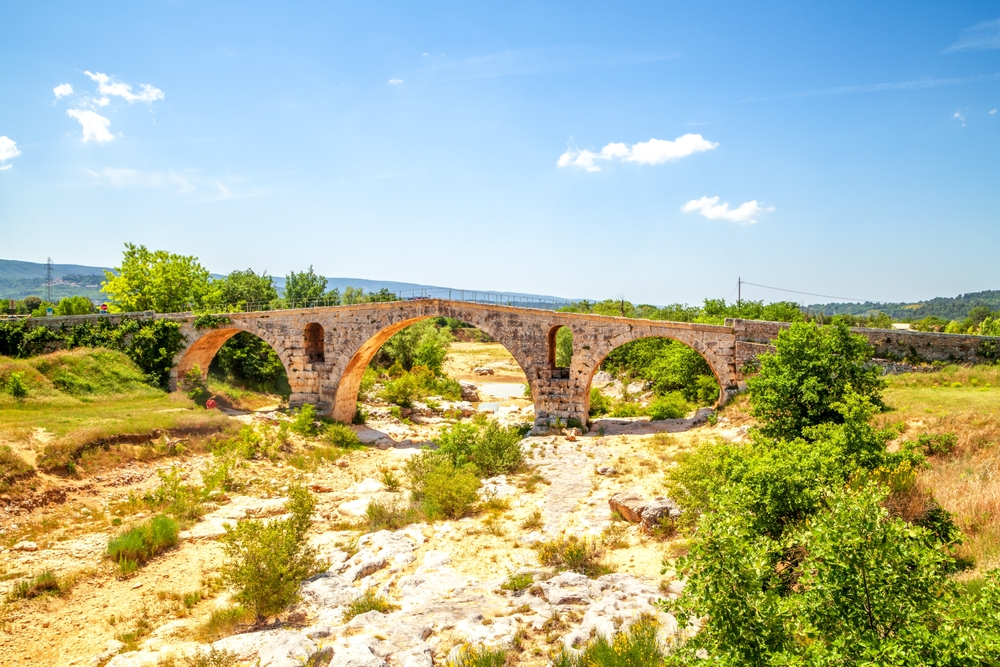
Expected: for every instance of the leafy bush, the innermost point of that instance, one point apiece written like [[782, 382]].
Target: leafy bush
[[193, 384], [44, 583], [390, 516], [572, 553], [518, 582], [370, 600], [212, 658], [668, 406], [636, 647], [493, 449], [627, 409], [176, 498], [16, 386], [341, 435], [266, 561], [420, 344], [803, 381], [600, 404], [248, 361], [402, 391], [305, 421], [137, 546], [442, 489], [479, 656]]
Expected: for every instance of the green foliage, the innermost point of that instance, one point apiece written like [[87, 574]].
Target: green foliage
[[401, 391], [175, 497], [668, 406], [137, 546], [600, 404], [387, 515], [341, 435], [266, 561], [238, 289], [12, 467], [443, 489], [74, 305], [305, 421], [16, 386], [635, 647], [208, 321], [159, 281], [247, 361], [492, 449], [803, 381], [668, 365], [933, 444], [45, 583], [572, 553], [479, 656], [370, 600], [990, 326], [212, 658], [304, 286], [564, 347], [195, 387], [420, 344], [712, 311], [518, 582]]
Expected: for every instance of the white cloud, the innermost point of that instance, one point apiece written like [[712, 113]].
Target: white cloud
[[108, 86], [992, 111], [709, 207], [959, 117], [395, 81], [8, 151], [95, 126], [654, 151], [982, 36], [62, 90]]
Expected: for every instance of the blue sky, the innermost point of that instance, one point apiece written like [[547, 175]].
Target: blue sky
[[574, 149]]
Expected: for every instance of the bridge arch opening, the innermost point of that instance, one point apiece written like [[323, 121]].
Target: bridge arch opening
[[315, 343], [426, 359], [658, 376], [238, 358], [560, 351]]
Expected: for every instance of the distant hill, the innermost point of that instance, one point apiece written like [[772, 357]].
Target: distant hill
[[20, 279], [945, 307]]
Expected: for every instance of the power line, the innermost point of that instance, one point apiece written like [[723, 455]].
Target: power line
[[825, 296]]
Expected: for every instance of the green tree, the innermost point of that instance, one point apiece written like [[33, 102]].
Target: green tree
[[238, 289], [304, 286], [74, 305], [159, 281], [810, 372], [564, 347], [420, 344]]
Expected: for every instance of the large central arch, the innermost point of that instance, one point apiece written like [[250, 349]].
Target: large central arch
[[202, 350], [370, 340]]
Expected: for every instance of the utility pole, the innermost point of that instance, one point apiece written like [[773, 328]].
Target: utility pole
[[48, 280], [739, 295]]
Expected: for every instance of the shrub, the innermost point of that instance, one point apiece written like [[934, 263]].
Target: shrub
[[518, 582], [390, 516], [305, 421], [668, 406], [443, 489], [627, 409], [44, 583], [479, 656], [341, 435], [600, 404], [402, 391], [224, 622], [808, 375], [572, 553], [194, 385], [492, 448], [137, 546], [17, 387], [174, 497], [267, 561], [212, 658], [370, 600], [636, 647]]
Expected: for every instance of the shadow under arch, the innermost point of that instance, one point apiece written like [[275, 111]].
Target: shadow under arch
[[203, 349], [346, 396], [721, 380]]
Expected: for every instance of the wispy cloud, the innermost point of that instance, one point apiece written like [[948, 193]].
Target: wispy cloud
[[959, 117], [188, 183], [395, 82], [8, 151], [709, 207], [95, 126], [109, 86], [985, 35], [993, 111], [528, 61], [654, 151], [880, 87], [62, 90]]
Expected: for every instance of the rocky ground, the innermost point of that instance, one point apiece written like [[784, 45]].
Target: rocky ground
[[444, 578]]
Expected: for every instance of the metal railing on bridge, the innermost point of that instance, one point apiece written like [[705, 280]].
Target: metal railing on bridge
[[385, 296]]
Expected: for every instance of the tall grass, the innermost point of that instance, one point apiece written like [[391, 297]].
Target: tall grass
[[133, 548]]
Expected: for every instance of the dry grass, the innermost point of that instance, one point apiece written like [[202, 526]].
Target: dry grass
[[966, 481]]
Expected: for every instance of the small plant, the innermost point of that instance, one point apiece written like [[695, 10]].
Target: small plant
[[370, 600], [614, 536], [390, 480], [45, 583], [933, 445], [135, 547], [386, 516], [341, 435], [493, 524], [210, 321], [175, 497], [518, 582], [224, 622], [479, 656], [267, 561], [636, 647], [572, 553], [17, 387], [669, 406], [534, 521], [213, 658], [305, 421], [193, 384]]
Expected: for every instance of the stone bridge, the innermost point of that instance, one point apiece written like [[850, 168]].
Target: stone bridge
[[325, 350]]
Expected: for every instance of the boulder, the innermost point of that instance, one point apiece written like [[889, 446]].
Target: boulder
[[25, 546], [609, 471], [629, 505], [659, 511], [483, 370], [469, 392]]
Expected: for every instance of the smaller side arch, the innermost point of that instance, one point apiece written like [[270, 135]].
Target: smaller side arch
[[315, 343]]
